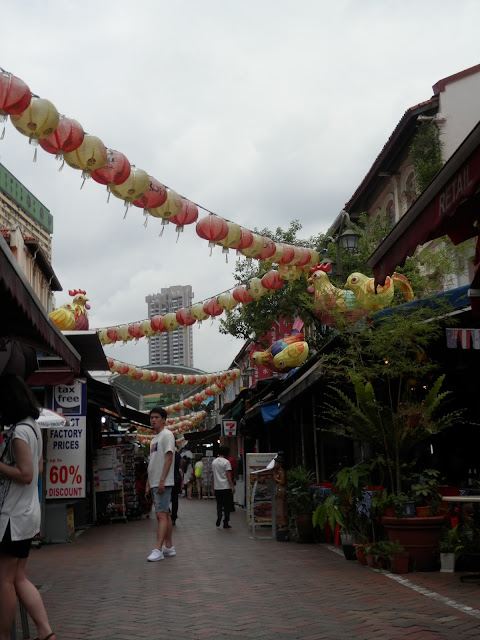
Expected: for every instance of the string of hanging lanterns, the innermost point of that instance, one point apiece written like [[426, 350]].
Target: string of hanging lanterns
[[39, 120]]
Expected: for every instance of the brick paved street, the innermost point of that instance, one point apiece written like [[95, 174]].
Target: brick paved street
[[223, 584]]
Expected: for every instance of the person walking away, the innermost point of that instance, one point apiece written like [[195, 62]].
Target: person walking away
[[223, 486], [21, 463], [160, 482], [188, 480], [177, 487], [233, 463], [198, 477]]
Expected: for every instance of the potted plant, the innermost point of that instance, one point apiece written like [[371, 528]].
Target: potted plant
[[345, 507], [450, 546], [397, 556], [300, 503], [425, 493]]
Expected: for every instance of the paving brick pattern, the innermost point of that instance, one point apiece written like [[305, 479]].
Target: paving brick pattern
[[223, 584]]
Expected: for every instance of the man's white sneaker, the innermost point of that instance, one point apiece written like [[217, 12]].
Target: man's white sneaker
[[155, 556], [168, 552]]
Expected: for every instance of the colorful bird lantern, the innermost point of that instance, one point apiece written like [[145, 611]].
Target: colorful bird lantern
[[241, 295], [198, 312], [227, 301], [15, 96], [188, 215], [89, 156], [212, 308], [114, 172], [272, 280], [39, 120], [255, 248], [212, 228], [133, 188], [184, 317], [170, 321], [154, 196]]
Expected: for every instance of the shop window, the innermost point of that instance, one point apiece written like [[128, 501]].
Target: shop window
[[390, 211]]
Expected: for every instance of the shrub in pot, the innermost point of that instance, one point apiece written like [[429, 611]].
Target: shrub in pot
[[300, 503]]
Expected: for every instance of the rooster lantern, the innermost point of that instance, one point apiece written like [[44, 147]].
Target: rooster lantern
[[72, 316]]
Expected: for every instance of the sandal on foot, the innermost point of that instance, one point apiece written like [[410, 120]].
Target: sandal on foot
[[50, 635]]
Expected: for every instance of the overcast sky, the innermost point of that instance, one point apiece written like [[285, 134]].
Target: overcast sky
[[262, 111]]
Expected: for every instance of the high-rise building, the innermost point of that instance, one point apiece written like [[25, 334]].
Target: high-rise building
[[19, 206], [171, 347]]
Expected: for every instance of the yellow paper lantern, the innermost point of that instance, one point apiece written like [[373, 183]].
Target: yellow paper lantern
[[146, 328], [227, 301], [171, 207], [278, 255], [255, 289], [289, 273], [133, 188], [255, 248], [39, 120], [198, 313], [123, 333], [233, 237], [90, 156], [170, 321]]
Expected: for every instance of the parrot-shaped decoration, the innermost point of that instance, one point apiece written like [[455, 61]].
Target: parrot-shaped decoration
[[373, 299], [72, 316], [284, 354]]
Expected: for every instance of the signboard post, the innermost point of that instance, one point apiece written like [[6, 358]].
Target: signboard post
[[66, 446]]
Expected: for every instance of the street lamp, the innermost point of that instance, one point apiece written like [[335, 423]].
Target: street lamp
[[346, 239]]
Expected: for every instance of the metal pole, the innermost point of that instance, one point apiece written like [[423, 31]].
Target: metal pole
[[315, 443]]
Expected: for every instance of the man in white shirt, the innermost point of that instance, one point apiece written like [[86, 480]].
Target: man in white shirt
[[223, 486], [160, 482]]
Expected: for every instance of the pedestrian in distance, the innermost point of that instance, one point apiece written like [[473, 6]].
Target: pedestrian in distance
[[161, 479], [21, 463], [188, 478], [198, 478], [223, 486]]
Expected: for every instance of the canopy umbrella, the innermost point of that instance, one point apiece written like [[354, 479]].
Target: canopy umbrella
[[17, 358], [49, 419]]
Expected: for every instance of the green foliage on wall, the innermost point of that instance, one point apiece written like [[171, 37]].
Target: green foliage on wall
[[426, 153]]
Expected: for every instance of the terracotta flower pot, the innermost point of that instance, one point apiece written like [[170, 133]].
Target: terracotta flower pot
[[399, 562]]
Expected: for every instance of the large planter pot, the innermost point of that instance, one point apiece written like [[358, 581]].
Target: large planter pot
[[305, 527], [419, 536], [447, 562], [399, 562]]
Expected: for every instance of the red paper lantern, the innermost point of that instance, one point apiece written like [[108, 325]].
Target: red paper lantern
[[269, 248], [155, 195], [245, 241], [124, 368], [116, 171], [167, 378], [153, 376], [199, 397], [272, 280], [184, 317], [112, 334], [135, 330], [241, 295], [188, 215], [157, 324], [212, 228], [15, 95], [67, 137], [212, 308], [288, 254], [305, 257]]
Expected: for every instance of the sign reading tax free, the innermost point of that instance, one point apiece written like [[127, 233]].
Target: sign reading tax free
[[67, 446]]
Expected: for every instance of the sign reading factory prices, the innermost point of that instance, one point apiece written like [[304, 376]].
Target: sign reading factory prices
[[66, 446], [229, 427]]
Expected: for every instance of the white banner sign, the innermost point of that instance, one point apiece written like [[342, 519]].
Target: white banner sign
[[66, 454]]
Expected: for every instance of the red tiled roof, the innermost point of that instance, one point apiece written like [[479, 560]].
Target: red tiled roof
[[439, 86]]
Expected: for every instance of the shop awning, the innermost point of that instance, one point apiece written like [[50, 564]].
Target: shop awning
[[448, 206], [22, 316], [203, 437]]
